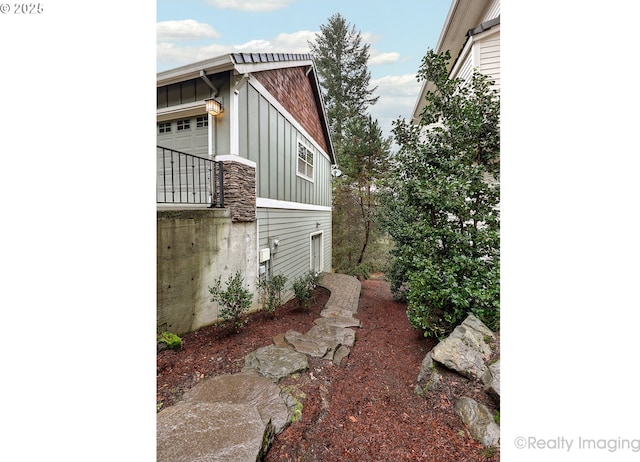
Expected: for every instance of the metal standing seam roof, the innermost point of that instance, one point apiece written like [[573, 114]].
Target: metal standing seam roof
[[249, 58]]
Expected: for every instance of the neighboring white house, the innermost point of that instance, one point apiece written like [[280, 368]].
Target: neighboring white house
[[471, 34], [271, 142]]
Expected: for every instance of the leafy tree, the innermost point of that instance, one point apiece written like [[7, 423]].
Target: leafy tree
[[442, 203], [341, 58], [365, 163]]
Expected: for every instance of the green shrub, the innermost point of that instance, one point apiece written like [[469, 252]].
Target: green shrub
[[362, 271], [271, 292], [441, 205], [303, 288], [234, 301], [172, 341]]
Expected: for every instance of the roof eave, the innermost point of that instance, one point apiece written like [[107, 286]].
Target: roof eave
[[191, 71], [464, 17]]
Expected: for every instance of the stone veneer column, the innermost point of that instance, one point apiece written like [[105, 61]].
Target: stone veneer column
[[240, 190]]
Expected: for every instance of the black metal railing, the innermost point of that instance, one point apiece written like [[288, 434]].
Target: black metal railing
[[187, 179]]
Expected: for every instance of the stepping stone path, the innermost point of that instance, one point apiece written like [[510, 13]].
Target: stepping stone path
[[235, 417]]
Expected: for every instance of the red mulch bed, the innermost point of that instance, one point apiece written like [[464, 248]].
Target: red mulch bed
[[364, 409]]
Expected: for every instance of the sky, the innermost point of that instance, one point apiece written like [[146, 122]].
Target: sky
[[399, 36]]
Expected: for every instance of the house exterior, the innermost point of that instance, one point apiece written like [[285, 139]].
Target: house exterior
[[264, 206], [471, 33]]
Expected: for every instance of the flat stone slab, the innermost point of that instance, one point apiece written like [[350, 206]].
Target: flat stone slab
[[341, 353], [336, 313], [279, 340], [334, 335], [211, 432], [338, 322], [306, 344], [244, 388], [275, 362]]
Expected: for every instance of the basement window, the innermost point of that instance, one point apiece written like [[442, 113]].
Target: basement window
[[305, 161], [164, 127]]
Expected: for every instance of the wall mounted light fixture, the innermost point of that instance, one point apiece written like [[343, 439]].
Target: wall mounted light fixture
[[214, 107]]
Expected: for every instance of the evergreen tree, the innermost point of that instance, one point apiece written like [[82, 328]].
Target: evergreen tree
[[341, 58], [442, 207]]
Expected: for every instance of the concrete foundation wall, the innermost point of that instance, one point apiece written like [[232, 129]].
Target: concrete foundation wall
[[194, 247]]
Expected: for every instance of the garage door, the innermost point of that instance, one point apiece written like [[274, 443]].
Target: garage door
[[186, 135], [186, 179]]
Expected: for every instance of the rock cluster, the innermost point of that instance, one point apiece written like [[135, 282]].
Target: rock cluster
[[467, 351]]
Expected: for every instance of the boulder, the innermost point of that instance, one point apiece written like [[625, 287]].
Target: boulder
[[212, 432], [491, 380], [428, 377], [275, 362], [466, 349], [479, 420]]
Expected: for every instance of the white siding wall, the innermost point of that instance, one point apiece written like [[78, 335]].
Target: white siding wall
[[489, 57], [493, 11], [465, 71]]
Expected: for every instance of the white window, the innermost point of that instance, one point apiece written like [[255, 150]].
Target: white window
[[202, 121], [305, 161], [164, 127], [184, 124]]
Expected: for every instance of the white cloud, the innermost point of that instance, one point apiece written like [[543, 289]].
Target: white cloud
[[282, 43], [398, 95], [376, 57], [251, 5], [186, 29], [170, 55]]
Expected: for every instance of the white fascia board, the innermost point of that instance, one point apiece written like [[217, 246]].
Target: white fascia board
[[191, 71], [264, 202], [287, 115], [247, 68]]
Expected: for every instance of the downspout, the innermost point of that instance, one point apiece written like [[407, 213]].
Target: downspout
[[211, 129]]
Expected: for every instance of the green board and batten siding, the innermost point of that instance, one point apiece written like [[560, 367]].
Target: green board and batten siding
[[294, 229], [271, 141]]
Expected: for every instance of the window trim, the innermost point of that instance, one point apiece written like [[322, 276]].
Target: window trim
[[302, 143]]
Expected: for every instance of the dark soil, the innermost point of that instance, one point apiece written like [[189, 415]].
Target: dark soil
[[363, 410]]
